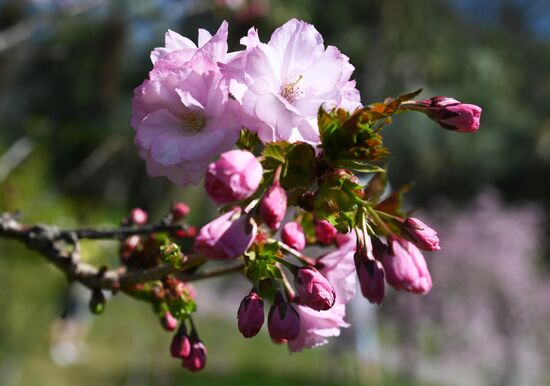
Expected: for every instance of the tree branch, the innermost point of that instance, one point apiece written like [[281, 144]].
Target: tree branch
[[62, 248]]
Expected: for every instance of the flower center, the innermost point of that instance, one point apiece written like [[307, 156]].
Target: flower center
[[290, 90], [193, 122]]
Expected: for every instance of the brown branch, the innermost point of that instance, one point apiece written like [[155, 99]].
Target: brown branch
[[62, 248]]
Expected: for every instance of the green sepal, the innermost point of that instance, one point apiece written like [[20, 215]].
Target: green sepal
[[247, 140]]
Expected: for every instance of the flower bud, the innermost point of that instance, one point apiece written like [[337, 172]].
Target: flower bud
[[293, 235], [251, 315], [405, 267], [273, 206], [138, 216], [197, 358], [449, 113], [325, 232], [128, 247], [169, 322], [422, 235], [227, 236], [371, 279], [283, 320], [97, 302], [181, 344], [314, 289], [179, 211], [235, 176]]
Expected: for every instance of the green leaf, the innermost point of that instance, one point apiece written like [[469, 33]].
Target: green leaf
[[361, 166], [300, 167]]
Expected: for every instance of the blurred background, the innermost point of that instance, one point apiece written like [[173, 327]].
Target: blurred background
[[67, 72]]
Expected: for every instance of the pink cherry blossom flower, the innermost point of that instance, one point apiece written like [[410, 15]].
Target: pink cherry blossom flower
[[235, 176], [182, 114], [189, 120], [282, 84]]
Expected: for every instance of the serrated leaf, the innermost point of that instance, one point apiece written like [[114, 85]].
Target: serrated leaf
[[360, 166]]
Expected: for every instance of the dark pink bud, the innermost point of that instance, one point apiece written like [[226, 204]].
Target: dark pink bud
[[197, 359], [283, 320], [405, 267], [129, 246], [422, 235], [251, 315], [293, 235], [314, 289], [181, 344], [449, 113], [325, 232], [179, 211], [273, 206], [235, 176], [226, 237], [138, 216], [371, 279], [169, 322]]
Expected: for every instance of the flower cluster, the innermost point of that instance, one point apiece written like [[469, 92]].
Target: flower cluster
[[198, 97], [306, 173]]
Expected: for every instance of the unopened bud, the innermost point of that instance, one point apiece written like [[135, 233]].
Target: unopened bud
[[179, 211], [273, 206], [314, 289], [251, 315], [169, 322], [97, 302], [283, 320], [293, 235], [138, 216], [325, 232]]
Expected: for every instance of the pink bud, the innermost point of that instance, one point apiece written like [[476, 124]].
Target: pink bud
[[344, 238], [283, 320], [371, 280], [325, 232], [197, 359], [179, 211], [181, 345], [423, 236], [273, 206], [138, 216], [293, 235], [314, 289], [169, 322], [251, 315], [449, 113], [235, 176], [405, 267], [227, 236]]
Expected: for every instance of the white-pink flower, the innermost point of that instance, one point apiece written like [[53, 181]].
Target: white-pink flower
[[182, 114], [282, 84]]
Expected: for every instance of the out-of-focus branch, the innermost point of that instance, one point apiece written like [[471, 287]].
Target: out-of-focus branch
[[62, 248]]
